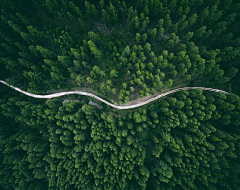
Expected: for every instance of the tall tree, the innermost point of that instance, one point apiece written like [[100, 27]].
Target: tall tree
[[113, 73], [167, 22], [101, 2], [105, 17], [138, 37], [113, 13], [96, 52], [152, 33]]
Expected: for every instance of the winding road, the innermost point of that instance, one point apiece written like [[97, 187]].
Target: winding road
[[112, 105]]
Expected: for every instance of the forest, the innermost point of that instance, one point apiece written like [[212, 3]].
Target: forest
[[120, 51]]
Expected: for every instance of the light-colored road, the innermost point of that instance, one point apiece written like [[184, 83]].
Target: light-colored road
[[112, 105]]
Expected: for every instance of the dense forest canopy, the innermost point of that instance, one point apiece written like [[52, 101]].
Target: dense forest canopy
[[120, 51]]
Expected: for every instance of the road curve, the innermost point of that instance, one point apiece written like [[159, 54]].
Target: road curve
[[112, 105]]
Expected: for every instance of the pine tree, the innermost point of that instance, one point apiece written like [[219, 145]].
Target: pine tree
[[136, 22], [113, 13], [188, 36], [94, 50], [167, 22], [147, 48], [146, 10], [204, 14], [160, 24], [113, 73], [192, 20], [213, 17], [88, 8], [101, 2], [45, 52], [169, 83], [157, 8], [138, 37], [124, 6], [152, 33], [184, 26], [199, 33], [219, 28], [105, 17]]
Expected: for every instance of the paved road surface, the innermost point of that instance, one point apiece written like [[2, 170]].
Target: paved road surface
[[112, 105]]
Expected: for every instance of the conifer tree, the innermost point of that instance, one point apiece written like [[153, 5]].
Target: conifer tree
[[101, 2]]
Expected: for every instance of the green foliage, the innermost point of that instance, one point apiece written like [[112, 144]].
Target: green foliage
[[113, 73], [126, 51], [138, 37], [165, 140], [144, 38], [105, 17], [94, 50], [186, 140]]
